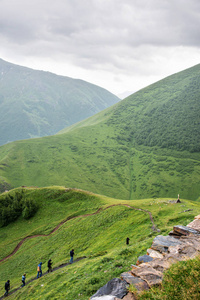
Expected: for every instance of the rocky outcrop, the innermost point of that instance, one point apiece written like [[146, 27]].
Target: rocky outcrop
[[107, 297], [143, 259], [115, 287], [181, 244], [162, 243], [195, 224], [185, 230], [139, 283]]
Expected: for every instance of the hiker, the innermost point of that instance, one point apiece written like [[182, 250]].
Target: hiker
[[71, 256], [49, 266], [39, 270], [127, 241], [23, 279], [7, 287]]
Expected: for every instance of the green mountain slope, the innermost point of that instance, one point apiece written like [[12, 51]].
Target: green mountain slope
[[36, 103], [95, 226], [165, 114], [108, 153]]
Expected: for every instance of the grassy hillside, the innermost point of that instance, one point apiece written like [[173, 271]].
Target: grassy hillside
[[35, 103], [100, 237], [165, 114], [106, 154]]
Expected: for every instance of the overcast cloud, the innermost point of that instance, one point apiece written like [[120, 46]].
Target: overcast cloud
[[119, 45]]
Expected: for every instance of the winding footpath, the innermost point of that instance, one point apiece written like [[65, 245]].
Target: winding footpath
[[45, 273], [154, 228]]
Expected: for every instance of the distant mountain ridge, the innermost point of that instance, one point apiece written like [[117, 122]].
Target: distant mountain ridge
[[37, 103]]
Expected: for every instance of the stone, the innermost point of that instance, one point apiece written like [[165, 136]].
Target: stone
[[184, 230], [134, 266], [160, 264], [148, 274], [195, 225], [162, 243], [193, 241], [174, 234], [138, 283], [185, 250], [189, 252], [154, 254], [143, 259], [174, 249], [197, 217], [115, 287], [130, 296], [108, 297], [174, 258]]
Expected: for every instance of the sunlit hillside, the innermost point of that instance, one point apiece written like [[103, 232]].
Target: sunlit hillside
[[42, 223]]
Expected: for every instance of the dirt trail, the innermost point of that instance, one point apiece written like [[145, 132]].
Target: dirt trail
[[45, 273], [74, 217]]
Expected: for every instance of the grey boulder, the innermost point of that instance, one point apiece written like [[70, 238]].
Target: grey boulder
[[115, 287]]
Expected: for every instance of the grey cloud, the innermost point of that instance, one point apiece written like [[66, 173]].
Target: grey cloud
[[110, 22], [99, 33]]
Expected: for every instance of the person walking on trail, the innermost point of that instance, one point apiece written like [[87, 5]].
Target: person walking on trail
[[71, 256], [49, 265], [23, 279], [127, 241], [7, 287], [39, 270]]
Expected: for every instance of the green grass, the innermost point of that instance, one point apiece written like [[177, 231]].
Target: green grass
[[131, 150], [83, 159], [100, 237]]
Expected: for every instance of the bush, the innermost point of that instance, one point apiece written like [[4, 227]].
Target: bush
[[14, 205], [30, 207]]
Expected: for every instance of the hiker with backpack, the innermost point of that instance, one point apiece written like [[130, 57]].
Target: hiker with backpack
[[39, 270], [49, 265], [71, 256], [23, 279], [7, 287]]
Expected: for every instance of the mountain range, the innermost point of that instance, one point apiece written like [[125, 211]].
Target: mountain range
[[147, 145], [37, 103]]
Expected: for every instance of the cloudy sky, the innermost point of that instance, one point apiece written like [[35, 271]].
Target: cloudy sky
[[121, 45]]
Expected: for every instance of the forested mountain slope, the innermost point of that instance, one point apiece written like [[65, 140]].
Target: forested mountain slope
[[165, 114], [36, 103]]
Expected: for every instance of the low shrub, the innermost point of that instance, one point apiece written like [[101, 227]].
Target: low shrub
[[14, 205]]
